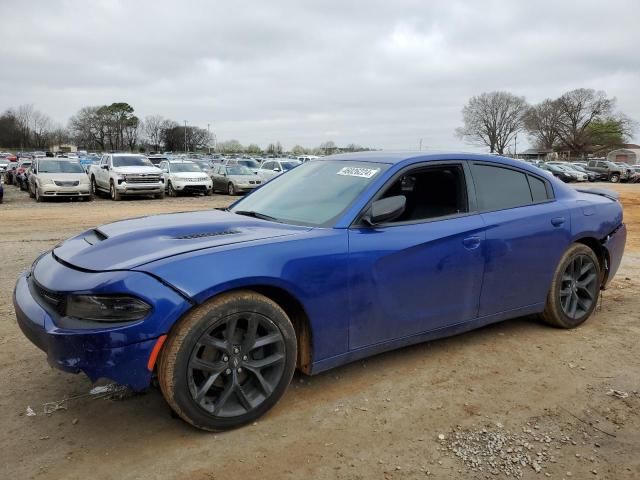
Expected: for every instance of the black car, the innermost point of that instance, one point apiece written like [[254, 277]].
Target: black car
[[558, 172]]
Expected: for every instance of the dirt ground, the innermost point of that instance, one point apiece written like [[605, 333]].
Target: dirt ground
[[568, 400]]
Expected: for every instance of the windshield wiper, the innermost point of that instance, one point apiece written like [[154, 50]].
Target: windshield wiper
[[254, 214]]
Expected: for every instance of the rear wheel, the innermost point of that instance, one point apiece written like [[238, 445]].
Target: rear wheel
[[231, 190], [575, 288], [614, 178], [229, 361]]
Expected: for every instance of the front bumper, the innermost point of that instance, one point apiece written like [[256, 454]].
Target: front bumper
[[195, 187], [118, 352], [125, 188], [56, 191]]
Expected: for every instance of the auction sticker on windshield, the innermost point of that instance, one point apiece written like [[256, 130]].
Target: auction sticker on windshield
[[358, 172]]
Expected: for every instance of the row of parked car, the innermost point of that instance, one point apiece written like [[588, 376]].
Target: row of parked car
[[592, 171], [124, 174]]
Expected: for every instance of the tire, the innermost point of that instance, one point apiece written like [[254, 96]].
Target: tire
[[88, 199], [614, 178], [31, 194], [94, 186], [37, 196], [113, 192], [172, 191], [231, 190], [230, 394], [573, 295], [209, 192]]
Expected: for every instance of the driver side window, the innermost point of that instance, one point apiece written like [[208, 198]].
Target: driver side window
[[430, 192]]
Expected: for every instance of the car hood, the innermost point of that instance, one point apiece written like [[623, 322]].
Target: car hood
[[180, 175], [65, 177], [130, 243], [138, 170], [243, 178]]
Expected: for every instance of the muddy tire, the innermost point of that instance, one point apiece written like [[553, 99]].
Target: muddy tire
[[227, 362], [575, 288]]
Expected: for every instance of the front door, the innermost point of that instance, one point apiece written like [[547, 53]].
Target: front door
[[422, 272]]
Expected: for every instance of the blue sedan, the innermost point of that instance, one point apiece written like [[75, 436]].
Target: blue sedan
[[341, 258]]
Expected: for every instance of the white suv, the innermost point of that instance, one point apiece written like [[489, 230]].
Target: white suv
[[185, 176]]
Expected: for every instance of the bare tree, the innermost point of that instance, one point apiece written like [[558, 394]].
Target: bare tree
[[493, 119], [577, 110], [153, 126], [541, 122]]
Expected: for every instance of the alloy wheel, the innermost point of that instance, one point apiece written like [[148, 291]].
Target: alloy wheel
[[236, 364], [579, 286]]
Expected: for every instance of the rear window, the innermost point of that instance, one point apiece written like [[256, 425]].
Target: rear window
[[538, 189], [500, 188]]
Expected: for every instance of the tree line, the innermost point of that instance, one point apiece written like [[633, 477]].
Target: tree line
[[116, 127], [581, 121]]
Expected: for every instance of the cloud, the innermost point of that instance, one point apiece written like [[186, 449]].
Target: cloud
[[377, 73]]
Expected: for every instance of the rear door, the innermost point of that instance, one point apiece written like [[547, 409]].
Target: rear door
[[527, 232]]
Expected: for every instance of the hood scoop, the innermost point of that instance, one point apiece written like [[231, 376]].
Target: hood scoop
[[192, 236]]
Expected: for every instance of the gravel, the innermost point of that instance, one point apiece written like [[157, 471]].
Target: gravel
[[497, 451]]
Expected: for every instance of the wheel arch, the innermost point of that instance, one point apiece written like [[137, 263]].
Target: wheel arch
[[601, 252], [294, 310]]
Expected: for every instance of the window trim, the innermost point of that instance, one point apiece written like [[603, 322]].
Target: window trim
[[469, 193], [550, 193]]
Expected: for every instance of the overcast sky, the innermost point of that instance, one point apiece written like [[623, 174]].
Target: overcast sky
[[377, 73]]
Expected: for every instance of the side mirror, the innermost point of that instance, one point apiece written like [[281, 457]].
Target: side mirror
[[277, 170], [105, 167], [385, 210]]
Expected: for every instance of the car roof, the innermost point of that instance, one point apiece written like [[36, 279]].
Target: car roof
[[180, 161], [393, 158]]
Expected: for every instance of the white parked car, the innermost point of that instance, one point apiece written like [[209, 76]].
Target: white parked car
[[184, 176], [272, 168], [126, 174], [58, 177]]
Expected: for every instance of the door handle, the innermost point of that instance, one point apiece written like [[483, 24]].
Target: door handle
[[556, 222], [471, 243]]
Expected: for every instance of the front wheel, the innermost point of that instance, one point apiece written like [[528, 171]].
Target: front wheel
[[575, 288], [172, 191], [615, 178], [229, 361], [113, 192]]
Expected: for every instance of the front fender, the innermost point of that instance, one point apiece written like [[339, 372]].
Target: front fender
[[312, 268]]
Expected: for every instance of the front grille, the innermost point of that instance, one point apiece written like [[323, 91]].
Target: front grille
[[151, 178], [206, 234], [254, 182], [62, 183]]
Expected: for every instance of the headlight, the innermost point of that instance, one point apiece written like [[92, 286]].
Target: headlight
[[105, 308]]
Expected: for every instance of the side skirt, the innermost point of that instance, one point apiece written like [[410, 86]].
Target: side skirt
[[364, 352]]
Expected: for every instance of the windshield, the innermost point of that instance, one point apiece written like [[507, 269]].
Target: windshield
[[131, 161], [314, 194], [59, 166], [238, 170], [185, 167], [250, 163], [289, 165]]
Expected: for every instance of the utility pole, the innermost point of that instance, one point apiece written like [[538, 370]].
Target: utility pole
[[208, 138], [186, 148], [515, 146]]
